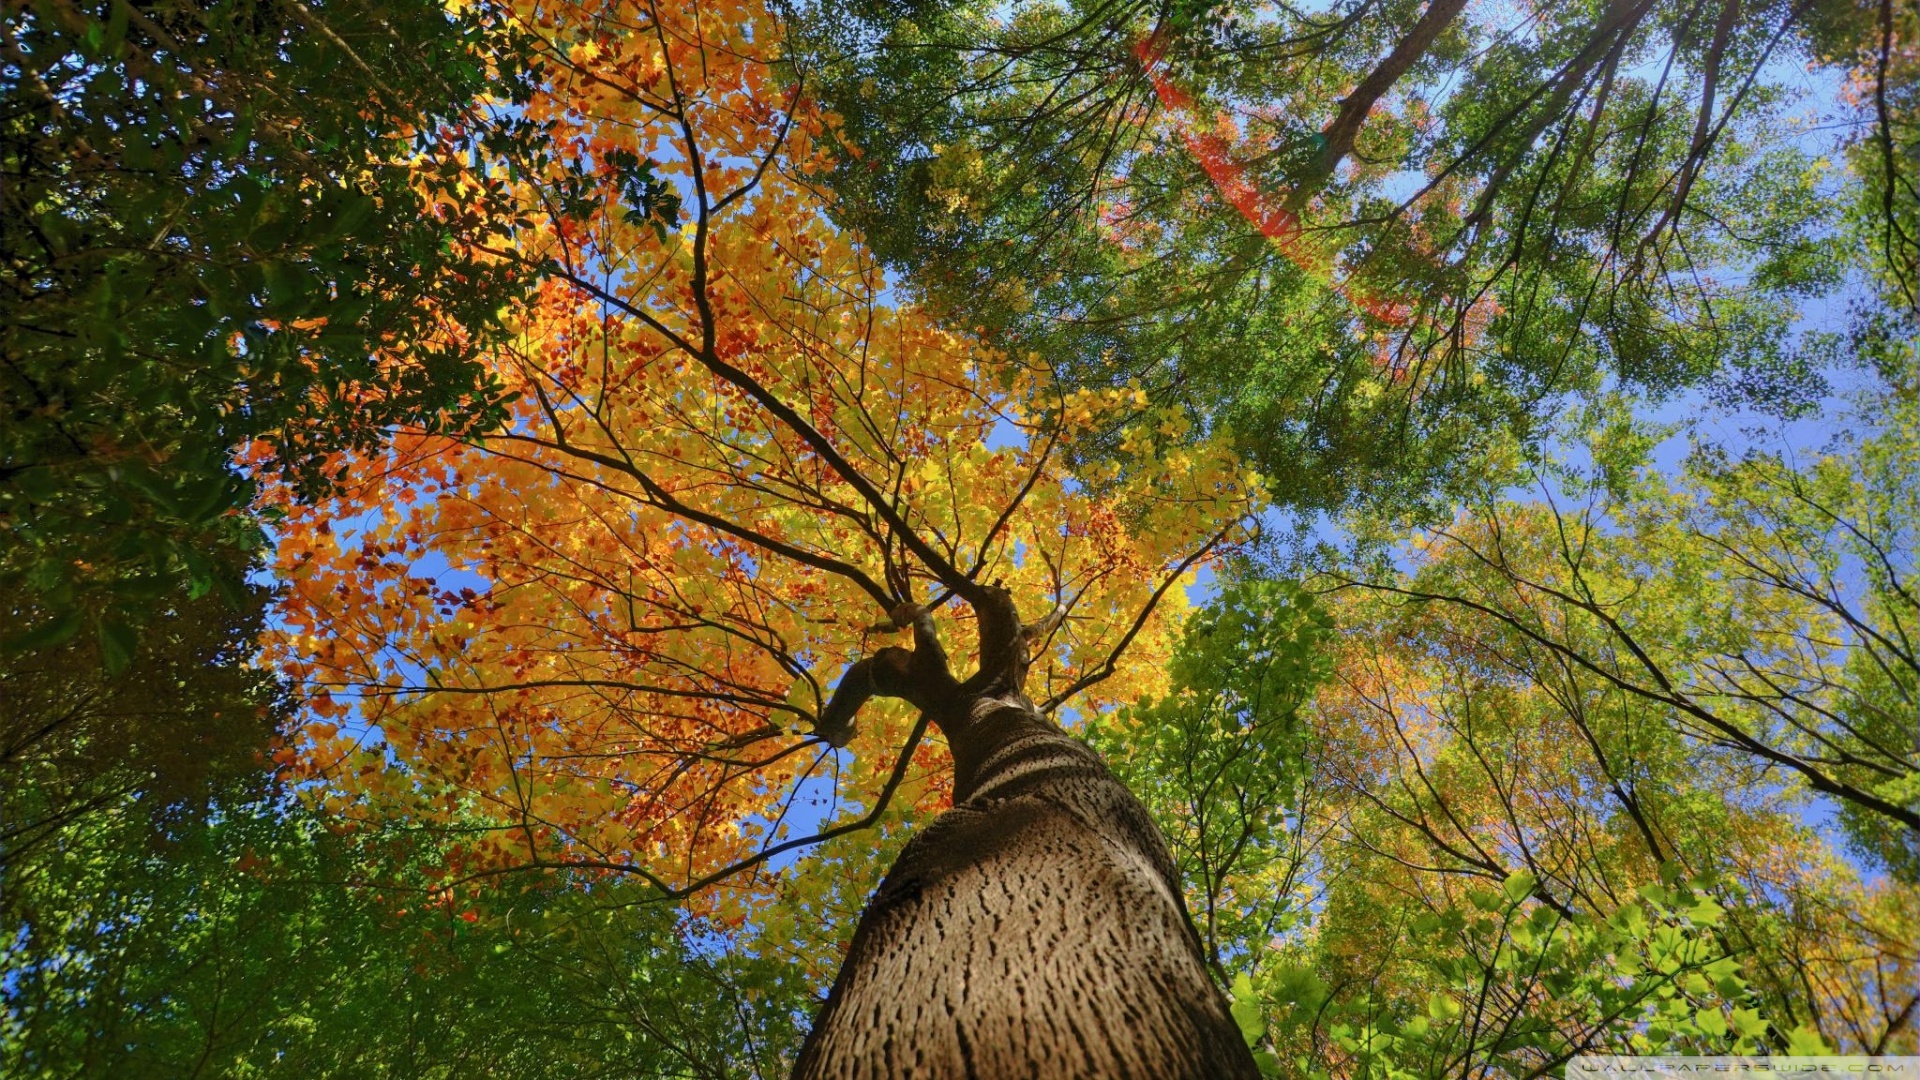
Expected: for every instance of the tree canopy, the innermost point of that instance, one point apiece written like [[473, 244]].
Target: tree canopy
[[212, 234], [575, 505], [747, 461], [1371, 240]]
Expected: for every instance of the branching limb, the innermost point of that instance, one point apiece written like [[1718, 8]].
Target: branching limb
[[917, 676], [1340, 134]]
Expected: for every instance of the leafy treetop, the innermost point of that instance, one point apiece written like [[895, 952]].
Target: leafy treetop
[[602, 637], [211, 235]]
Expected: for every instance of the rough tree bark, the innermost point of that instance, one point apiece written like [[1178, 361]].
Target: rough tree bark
[[1035, 930]]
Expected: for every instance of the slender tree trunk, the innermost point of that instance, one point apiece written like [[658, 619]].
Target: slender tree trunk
[[1340, 134], [1034, 930]]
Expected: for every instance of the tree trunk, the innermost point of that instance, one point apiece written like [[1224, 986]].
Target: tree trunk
[[1037, 928]]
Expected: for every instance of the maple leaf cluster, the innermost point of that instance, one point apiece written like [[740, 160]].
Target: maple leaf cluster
[[599, 637]]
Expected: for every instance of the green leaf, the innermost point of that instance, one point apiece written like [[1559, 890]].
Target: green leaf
[[54, 631], [1749, 1023], [1519, 885], [1248, 1014], [1803, 1041], [1706, 912], [118, 643], [116, 32]]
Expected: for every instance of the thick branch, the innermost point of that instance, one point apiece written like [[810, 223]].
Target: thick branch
[[917, 676], [1340, 134]]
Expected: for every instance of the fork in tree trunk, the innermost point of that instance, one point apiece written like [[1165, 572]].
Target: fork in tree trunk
[[1034, 930]]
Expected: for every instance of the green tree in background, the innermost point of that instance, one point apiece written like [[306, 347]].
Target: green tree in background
[[210, 233], [1762, 605], [1623, 767], [1220, 761], [186, 716], [251, 942], [1374, 239]]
